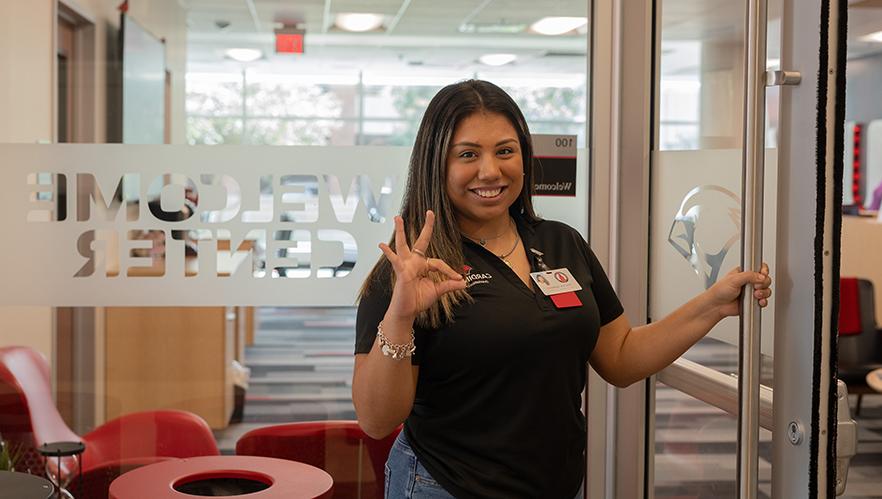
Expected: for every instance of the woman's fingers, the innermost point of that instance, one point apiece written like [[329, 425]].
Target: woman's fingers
[[442, 267], [422, 242], [390, 255], [449, 285], [401, 248]]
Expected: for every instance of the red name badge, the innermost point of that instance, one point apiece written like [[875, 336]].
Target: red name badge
[[566, 300]]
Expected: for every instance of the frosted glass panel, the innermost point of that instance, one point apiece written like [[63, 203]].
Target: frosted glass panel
[[696, 230], [98, 225]]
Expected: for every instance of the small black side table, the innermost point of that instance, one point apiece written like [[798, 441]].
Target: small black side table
[[24, 486], [59, 450]]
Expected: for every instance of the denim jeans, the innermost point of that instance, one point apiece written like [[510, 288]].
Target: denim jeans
[[406, 478]]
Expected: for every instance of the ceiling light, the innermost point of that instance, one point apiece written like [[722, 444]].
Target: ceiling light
[[558, 25], [244, 55], [873, 37], [358, 22], [497, 59]]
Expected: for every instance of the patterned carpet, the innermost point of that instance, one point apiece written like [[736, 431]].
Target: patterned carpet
[[301, 370]]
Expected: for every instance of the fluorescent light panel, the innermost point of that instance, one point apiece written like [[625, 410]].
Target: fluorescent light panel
[[358, 22], [558, 25], [497, 59], [244, 55]]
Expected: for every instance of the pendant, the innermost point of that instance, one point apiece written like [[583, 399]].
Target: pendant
[[482, 242], [507, 263]]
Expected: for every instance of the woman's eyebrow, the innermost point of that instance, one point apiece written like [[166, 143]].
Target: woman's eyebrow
[[475, 144]]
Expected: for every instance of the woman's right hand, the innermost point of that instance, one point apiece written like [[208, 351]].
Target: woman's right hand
[[415, 289]]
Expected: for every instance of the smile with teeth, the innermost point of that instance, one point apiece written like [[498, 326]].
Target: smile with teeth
[[488, 193]]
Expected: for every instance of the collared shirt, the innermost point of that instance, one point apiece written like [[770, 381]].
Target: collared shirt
[[497, 408]]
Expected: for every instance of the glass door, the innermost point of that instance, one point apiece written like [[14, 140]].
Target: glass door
[[739, 148], [696, 211]]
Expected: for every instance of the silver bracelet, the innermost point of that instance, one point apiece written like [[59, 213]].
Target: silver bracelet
[[396, 351]]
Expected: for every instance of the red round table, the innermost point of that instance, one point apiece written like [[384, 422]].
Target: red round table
[[190, 478]]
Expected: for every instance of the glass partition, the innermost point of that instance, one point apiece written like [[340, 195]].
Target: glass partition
[[695, 235], [215, 269]]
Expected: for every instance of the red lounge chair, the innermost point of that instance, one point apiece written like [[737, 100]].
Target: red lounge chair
[[355, 460], [28, 419]]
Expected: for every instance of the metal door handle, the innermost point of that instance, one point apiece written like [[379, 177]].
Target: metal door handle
[[782, 78]]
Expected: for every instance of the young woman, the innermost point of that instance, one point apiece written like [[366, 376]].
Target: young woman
[[457, 338]]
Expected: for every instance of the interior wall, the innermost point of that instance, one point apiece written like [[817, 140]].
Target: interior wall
[[722, 74], [27, 326], [165, 19], [27, 82], [26, 77], [26, 36], [864, 79]]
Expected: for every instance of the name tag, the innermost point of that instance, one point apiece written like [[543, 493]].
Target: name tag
[[555, 282]]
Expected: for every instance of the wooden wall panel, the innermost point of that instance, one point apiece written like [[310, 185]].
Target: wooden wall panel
[[169, 358]]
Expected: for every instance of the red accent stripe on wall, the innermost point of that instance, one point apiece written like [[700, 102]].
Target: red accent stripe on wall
[[856, 166]]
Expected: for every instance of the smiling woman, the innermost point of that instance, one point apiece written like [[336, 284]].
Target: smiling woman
[[492, 303]]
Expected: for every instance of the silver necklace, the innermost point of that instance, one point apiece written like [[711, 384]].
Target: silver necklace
[[504, 257]]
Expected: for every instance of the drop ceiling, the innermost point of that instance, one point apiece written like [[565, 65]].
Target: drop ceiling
[[449, 35]]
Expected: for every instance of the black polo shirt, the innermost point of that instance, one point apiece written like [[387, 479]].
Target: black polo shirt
[[497, 408]]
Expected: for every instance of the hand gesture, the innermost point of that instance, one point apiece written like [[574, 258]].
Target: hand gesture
[[419, 280], [726, 293]]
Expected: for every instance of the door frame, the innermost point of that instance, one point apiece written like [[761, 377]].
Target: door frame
[[622, 74]]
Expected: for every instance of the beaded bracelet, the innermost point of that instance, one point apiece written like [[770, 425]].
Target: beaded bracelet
[[396, 351]]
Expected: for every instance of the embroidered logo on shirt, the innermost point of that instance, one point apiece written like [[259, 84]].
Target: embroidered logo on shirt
[[476, 278]]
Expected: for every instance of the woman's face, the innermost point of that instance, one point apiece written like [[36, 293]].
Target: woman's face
[[485, 172]]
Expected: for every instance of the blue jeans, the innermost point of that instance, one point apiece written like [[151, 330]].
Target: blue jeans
[[406, 478]]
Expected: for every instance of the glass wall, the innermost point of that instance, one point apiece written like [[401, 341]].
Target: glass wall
[[256, 106], [344, 110]]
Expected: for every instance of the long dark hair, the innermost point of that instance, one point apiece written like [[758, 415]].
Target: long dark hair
[[427, 178]]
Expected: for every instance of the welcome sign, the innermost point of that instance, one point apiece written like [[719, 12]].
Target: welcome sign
[[102, 225], [140, 225]]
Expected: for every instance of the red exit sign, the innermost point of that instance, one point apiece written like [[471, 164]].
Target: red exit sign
[[289, 43]]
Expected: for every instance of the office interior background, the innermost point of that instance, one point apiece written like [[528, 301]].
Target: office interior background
[[340, 74]]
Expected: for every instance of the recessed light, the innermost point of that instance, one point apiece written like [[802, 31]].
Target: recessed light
[[244, 55], [497, 59], [873, 37], [358, 22], [558, 25]]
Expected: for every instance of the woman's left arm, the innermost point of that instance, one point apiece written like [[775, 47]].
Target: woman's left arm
[[624, 354]]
